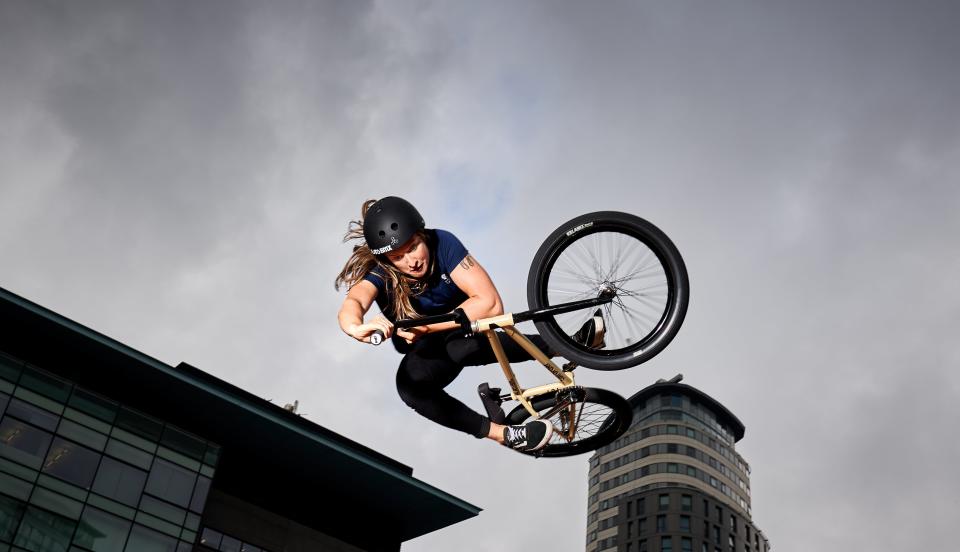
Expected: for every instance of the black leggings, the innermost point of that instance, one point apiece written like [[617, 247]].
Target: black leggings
[[434, 361]]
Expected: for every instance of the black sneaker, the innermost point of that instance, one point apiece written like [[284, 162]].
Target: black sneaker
[[490, 397], [527, 438], [590, 335]]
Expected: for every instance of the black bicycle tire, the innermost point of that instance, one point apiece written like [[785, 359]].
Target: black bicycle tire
[[609, 433], [675, 272]]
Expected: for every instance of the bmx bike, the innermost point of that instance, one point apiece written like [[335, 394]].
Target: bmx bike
[[610, 261]]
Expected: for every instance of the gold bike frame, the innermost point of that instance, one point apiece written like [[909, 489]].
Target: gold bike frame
[[488, 327]]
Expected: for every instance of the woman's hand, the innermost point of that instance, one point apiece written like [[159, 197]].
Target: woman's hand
[[362, 332], [411, 334]]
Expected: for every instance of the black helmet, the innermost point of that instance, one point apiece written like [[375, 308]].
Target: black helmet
[[389, 223]]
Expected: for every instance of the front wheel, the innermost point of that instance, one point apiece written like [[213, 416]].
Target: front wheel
[[584, 419], [618, 254]]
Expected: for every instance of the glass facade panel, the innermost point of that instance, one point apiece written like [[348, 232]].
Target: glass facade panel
[[71, 462], [23, 442], [42, 531], [101, 532], [55, 502], [171, 482], [11, 510], [96, 406], [119, 481], [139, 424], [80, 434], [82, 485], [230, 544], [45, 384], [33, 414], [135, 456], [211, 538], [148, 540], [200, 494]]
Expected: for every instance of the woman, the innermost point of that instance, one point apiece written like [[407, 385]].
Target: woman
[[411, 271]]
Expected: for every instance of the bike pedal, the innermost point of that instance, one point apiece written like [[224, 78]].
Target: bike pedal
[[569, 367], [490, 397]]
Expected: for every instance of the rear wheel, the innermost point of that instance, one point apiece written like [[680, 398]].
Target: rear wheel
[[584, 419], [617, 254]]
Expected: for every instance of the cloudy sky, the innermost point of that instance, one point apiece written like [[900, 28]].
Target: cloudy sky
[[178, 175]]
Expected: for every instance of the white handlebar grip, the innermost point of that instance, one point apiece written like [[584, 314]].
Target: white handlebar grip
[[376, 338]]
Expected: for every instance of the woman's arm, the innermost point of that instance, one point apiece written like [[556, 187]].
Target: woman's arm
[[357, 303], [483, 299]]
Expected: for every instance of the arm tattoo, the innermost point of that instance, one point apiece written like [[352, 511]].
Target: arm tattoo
[[468, 262]]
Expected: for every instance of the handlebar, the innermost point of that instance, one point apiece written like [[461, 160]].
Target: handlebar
[[458, 315]]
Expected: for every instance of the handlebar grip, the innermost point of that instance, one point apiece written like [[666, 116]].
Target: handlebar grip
[[376, 338]]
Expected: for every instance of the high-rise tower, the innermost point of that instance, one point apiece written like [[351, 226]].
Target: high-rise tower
[[673, 482]]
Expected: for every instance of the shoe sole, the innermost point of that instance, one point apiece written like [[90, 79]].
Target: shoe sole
[[546, 438]]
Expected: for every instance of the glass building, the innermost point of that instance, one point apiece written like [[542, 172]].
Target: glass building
[[104, 449], [674, 481], [79, 471]]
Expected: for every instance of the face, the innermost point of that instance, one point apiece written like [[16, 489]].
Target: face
[[412, 258]]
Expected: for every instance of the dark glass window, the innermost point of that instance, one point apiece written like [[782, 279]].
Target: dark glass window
[[733, 523], [94, 405], [139, 424], [71, 462], [4, 399], [45, 384], [666, 544], [171, 482], [119, 481], [10, 512], [661, 524], [664, 501], [672, 448], [42, 531], [147, 540], [642, 525], [81, 434], [33, 414], [686, 503], [101, 532], [686, 545], [685, 524], [23, 442], [643, 546], [9, 368], [183, 442], [230, 544], [211, 538]]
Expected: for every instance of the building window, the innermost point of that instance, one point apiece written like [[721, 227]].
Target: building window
[[664, 502], [686, 545], [171, 482], [101, 531], [24, 443], [686, 503], [716, 534], [661, 524], [641, 506], [733, 523], [42, 530], [685, 524], [629, 529], [706, 508], [666, 544], [71, 462], [719, 514], [732, 542], [642, 525], [642, 546]]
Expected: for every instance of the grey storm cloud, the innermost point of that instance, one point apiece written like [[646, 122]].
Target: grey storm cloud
[[178, 175]]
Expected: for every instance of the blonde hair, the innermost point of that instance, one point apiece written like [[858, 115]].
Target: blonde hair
[[400, 287]]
